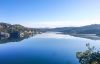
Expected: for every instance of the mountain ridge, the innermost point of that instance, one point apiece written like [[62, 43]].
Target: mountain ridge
[[88, 29]]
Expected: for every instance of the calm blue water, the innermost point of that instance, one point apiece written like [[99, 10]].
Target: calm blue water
[[47, 48]]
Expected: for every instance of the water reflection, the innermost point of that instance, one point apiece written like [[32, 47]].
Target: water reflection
[[87, 36], [46, 48], [15, 39]]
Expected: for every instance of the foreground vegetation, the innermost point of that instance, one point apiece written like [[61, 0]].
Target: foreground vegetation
[[90, 56]]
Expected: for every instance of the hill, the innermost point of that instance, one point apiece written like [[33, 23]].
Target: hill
[[89, 29], [14, 31]]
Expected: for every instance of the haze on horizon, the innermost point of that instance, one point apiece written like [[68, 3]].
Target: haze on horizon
[[50, 13]]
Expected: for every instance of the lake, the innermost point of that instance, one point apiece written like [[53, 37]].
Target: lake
[[46, 48]]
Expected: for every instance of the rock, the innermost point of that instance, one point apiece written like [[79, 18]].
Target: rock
[[4, 35]]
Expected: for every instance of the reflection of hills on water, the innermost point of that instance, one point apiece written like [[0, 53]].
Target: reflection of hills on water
[[87, 36], [15, 39]]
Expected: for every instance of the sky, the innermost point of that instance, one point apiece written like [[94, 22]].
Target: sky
[[50, 13]]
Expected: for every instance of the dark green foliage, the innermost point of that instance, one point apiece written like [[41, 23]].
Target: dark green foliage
[[4, 27], [89, 56], [14, 30]]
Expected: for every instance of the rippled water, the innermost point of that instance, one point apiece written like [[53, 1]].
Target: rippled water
[[47, 48]]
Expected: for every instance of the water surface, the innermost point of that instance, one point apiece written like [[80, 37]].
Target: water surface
[[47, 48]]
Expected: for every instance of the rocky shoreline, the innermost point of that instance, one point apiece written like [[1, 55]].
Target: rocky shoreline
[[15, 31]]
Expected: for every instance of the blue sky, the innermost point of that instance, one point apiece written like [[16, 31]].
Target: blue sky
[[50, 13]]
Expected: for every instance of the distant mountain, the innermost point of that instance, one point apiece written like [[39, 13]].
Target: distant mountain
[[89, 29], [16, 30]]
